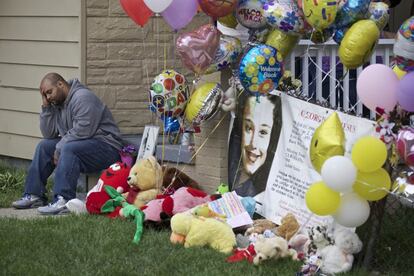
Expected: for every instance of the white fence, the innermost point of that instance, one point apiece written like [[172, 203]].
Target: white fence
[[324, 78]]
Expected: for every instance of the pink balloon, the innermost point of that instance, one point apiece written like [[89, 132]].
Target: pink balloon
[[180, 13], [377, 87], [405, 145], [198, 48]]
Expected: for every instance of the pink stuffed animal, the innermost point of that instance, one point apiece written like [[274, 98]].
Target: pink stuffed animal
[[182, 200]]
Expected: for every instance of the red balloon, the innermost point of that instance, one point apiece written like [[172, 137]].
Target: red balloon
[[137, 11], [217, 8]]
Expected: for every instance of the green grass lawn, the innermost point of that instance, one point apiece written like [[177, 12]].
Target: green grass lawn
[[96, 245]]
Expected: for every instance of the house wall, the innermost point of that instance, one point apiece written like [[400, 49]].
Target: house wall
[[121, 61], [36, 37]]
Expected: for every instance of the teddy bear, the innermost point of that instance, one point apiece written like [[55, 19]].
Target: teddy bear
[[338, 258], [272, 248], [288, 228], [115, 176], [165, 206], [200, 231], [173, 179], [259, 226], [145, 180]]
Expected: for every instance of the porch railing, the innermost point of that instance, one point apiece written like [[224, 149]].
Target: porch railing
[[325, 80]]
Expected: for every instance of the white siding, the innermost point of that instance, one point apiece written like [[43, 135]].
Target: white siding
[[36, 37]]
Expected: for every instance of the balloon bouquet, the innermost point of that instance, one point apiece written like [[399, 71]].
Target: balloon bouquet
[[348, 183]]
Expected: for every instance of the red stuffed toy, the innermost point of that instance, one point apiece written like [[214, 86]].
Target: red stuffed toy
[[181, 200], [115, 176]]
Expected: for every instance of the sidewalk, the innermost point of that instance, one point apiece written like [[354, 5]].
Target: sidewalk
[[24, 213]]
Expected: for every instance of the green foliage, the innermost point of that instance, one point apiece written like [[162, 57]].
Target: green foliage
[[11, 184]]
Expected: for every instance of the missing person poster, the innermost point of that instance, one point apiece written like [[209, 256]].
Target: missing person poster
[[280, 188]]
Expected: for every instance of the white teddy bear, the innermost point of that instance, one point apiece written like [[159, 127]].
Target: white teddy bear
[[339, 257]]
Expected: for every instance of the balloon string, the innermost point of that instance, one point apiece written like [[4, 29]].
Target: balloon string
[[206, 140], [165, 56], [158, 42], [144, 64]]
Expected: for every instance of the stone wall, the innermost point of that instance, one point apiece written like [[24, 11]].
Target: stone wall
[[122, 59]]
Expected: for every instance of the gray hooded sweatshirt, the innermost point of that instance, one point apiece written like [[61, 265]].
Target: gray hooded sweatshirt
[[82, 116]]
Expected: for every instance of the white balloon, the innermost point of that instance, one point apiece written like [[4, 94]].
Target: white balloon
[[339, 173], [158, 6], [353, 211]]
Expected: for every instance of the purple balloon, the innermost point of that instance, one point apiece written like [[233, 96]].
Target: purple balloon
[[405, 92], [180, 13], [377, 87]]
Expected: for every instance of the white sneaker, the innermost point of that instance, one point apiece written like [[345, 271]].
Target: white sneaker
[[56, 208]]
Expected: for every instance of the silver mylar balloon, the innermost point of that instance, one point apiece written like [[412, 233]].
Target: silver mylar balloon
[[204, 103]]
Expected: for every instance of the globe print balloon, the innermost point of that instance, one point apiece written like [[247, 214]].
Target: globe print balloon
[[261, 69], [169, 94]]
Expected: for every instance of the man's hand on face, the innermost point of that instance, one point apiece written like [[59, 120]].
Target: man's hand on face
[[55, 158], [45, 102]]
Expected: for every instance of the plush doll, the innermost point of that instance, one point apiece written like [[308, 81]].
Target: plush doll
[[319, 238], [182, 200], [339, 257], [173, 179], [272, 248], [259, 226], [288, 228], [115, 176], [145, 180], [297, 243], [126, 210], [199, 231], [240, 254]]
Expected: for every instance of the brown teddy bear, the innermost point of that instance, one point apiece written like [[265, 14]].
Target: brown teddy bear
[[259, 226], [289, 227], [145, 180], [174, 179]]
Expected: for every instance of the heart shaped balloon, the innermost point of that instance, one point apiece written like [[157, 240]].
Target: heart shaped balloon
[[137, 11], [198, 48], [158, 6], [227, 53], [217, 8], [405, 145]]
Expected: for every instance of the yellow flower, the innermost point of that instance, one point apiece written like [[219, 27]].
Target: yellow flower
[[255, 80], [272, 61], [267, 51], [260, 60], [251, 70], [254, 88]]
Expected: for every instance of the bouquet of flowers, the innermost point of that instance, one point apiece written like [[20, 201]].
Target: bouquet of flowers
[[129, 154]]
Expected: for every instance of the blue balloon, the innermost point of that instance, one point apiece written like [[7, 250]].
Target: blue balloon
[[171, 125], [352, 11], [339, 35], [261, 69]]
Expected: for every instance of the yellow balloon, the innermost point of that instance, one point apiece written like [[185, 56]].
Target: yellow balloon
[[229, 21], [371, 185], [328, 140], [321, 199], [204, 102], [319, 14], [399, 72], [358, 43], [369, 154], [282, 42]]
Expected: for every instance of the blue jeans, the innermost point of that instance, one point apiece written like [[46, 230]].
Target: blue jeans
[[82, 156]]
